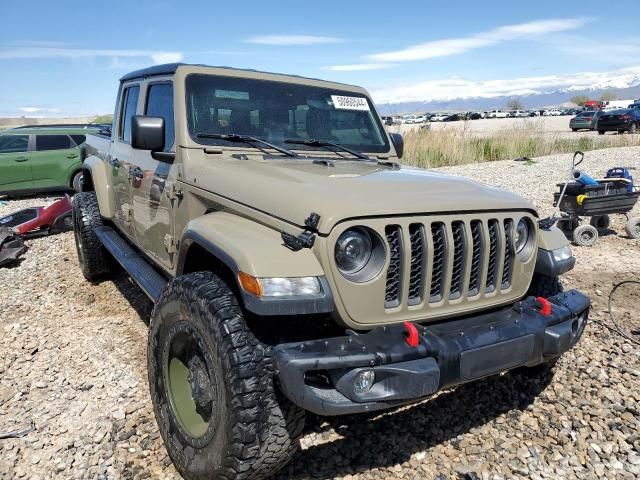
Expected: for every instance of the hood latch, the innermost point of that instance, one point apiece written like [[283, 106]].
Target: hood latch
[[307, 238]]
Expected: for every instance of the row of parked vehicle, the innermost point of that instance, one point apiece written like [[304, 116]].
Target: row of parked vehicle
[[42, 158], [605, 120], [475, 115]]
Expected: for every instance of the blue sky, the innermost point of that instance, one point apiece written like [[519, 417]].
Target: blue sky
[[64, 58]]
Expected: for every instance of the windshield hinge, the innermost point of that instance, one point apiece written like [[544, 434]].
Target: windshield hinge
[[173, 192], [307, 238], [170, 244]]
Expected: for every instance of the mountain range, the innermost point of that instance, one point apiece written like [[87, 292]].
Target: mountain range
[[530, 100]]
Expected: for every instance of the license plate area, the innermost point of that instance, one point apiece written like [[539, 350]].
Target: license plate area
[[491, 359]]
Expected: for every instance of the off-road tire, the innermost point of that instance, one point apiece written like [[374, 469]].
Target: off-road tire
[[574, 129], [252, 430], [600, 132], [585, 235], [94, 259], [633, 228], [544, 286], [601, 223], [76, 182]]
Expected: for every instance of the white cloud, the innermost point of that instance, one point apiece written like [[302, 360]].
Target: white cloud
[[81, 53], [293, 40], [358, 67], [38, 110], [460, 88], [455, 46]]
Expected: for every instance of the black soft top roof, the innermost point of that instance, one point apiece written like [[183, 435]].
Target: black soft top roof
[[170, 68]]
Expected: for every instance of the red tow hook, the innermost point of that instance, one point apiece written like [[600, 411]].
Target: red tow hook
[[545, 306], [412, 338]]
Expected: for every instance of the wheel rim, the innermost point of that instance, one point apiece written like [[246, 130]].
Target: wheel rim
[[190, 382], [586, 236]]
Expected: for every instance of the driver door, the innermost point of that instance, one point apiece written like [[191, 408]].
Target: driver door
[[152, 181]]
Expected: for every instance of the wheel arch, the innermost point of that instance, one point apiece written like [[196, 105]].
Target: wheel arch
[[95, 172], [228, 244]]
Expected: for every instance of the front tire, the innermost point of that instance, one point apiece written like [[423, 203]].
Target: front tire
[[544, 286], [212, 385], [93, 258]]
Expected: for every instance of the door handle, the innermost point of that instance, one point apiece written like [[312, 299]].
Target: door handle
[[21, 159], [73, 155]]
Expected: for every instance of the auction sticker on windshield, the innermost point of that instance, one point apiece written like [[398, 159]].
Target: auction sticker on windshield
[[349, 103]]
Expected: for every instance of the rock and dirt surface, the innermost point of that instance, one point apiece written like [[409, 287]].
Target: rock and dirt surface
[[73, 368]]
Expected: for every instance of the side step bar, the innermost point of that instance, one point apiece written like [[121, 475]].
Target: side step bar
[[136, 266]]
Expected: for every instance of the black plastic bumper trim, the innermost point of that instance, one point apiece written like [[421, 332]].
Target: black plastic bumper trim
[[547, 265], [449, 353]]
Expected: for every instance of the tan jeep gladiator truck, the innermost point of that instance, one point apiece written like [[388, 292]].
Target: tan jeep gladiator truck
[[296, 266]]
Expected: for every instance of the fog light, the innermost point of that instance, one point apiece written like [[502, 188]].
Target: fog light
[[364, 381]]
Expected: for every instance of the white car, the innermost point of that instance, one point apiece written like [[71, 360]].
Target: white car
[[497, 114], [438, 117], [554, 112], [518, 114], [420, 119]]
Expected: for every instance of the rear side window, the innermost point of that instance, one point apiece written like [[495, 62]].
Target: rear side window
[[129, 105], [160, 104], [14, 143], [52, 142], [78, 139]]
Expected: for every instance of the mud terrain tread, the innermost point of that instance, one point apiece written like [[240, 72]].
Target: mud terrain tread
[[86, 218], [265, 427], [545, 286]]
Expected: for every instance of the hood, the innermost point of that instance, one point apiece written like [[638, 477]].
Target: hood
[[291, 189]]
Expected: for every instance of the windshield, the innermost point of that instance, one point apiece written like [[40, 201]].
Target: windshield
[[276, 111]]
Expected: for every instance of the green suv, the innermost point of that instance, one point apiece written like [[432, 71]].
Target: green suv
[[37, 159]]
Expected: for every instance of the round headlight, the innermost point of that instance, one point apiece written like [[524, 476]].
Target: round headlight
[[353, 250], [359, 254], [522, 235]]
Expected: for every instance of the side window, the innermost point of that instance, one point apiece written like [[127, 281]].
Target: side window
[[128, 111], [13, 143], [78, 139], [52, 142], [160, 104]]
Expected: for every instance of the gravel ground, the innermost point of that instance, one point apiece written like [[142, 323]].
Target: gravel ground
[[73, 366]]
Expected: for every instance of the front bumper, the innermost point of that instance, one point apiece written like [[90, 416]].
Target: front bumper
[[448, 353]]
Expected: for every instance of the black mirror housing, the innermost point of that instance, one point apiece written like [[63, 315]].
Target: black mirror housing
[[147, 133], [398, 143]]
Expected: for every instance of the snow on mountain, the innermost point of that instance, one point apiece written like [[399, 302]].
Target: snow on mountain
[[460, 94]]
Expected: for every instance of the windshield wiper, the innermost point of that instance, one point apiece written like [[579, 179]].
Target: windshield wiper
[[234, 137], [324, 143]]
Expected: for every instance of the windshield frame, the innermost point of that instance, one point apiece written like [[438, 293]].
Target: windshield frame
[[384, 149]]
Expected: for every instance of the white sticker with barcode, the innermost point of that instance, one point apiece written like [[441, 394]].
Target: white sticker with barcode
[[341, 102]]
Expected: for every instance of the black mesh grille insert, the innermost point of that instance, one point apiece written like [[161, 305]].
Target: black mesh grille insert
[[418, 254], [492, 269], [439, 261], [507, 270], [459, 259], [394, 272], [476, 258]]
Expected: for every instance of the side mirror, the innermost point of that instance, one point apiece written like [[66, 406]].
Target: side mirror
[[398, 143], [147, 133]]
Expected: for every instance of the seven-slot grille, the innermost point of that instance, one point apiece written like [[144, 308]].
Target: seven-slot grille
[[448, 260]]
